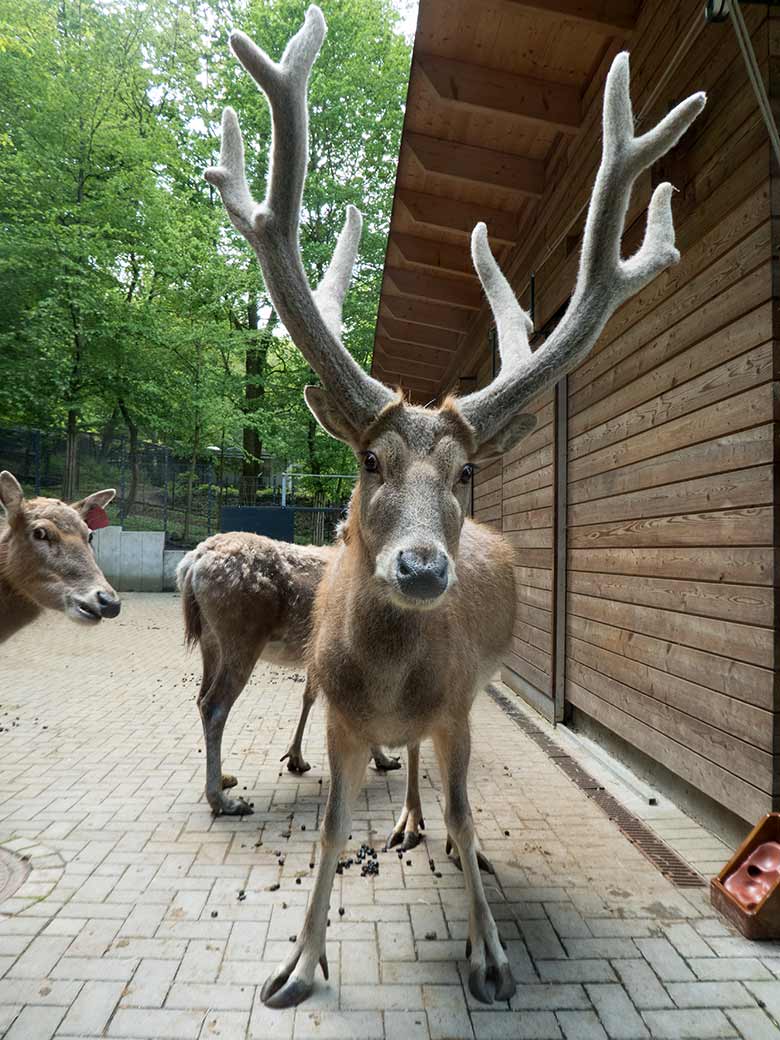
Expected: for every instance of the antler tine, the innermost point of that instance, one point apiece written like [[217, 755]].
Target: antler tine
[[513, 324], [604, 280], [271, 227]]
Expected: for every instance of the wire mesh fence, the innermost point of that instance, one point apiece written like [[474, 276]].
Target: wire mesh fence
[[157, 490]]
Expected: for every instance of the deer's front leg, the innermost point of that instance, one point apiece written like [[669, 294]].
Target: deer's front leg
[[293, 980], [484, 950], [406, 832]]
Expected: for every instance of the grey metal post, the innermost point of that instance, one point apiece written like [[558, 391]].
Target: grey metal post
[[561, 509], [209, 497], [165, 492], [37, 449]]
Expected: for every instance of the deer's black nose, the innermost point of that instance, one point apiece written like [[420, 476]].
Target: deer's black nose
[[422, 573], [109, 605]]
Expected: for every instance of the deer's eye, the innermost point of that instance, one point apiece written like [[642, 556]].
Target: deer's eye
[[466, 473], [40, 534], [370, 462]]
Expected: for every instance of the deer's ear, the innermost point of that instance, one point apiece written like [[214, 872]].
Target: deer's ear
[[323, 407], [11, 495], [92, 509], [519, 426]]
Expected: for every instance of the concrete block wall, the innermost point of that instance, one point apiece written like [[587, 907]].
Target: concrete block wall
[[136, 561]]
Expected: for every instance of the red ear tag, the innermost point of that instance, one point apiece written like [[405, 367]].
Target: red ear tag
[[96, 518]]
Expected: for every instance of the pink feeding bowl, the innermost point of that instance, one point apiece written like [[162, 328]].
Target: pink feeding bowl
[[753, 880]]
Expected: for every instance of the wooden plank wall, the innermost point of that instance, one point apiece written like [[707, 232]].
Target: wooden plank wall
[[670, 445]]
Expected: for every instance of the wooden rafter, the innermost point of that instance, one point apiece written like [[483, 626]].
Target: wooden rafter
[[399, 352], [458, 216], [427, 252], [464, 162], [461, 84], [412, 368], [454, 291], [617, 17], [395, 378], [421, 335], [421, 312]]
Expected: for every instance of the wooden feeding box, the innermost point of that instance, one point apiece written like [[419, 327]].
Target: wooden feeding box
[[747, 890]]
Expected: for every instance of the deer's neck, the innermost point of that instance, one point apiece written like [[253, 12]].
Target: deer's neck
[[16, 609]]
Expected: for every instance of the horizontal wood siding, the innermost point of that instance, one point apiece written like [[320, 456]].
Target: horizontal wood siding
[[670, 599], [670, 440]]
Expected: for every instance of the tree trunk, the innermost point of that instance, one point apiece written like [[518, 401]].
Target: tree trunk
[[70, 473], [190, 480], [135, 467], [107, 438], [254, 389]]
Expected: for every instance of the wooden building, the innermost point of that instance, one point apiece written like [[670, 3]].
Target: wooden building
[[643, 508]]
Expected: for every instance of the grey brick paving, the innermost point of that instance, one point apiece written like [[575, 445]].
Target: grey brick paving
[[131, 927]]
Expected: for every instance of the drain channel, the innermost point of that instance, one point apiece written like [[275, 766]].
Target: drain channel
[[14, 871], [664, 858]]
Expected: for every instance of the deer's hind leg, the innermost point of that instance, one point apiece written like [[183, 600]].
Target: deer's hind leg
[[406, 832], [224, 677], [296, 763]]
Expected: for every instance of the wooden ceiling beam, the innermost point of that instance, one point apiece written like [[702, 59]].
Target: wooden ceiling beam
[[393, 378], [465, 162], [462, 85], [427, 252], [453, 291], [421, 312], [433, 373], [617, 17], [398, 353], [440, 211], [420, 335]]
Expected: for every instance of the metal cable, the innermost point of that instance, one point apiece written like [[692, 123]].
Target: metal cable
[[754, 74]]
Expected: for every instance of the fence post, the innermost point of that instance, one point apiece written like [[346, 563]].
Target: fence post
[[284, 490], [37, 448], [165, 492], [121, 480], [208, 498]]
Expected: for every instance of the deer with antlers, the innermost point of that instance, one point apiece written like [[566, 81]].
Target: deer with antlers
[[46, 561], [247, 597], [416, 608]]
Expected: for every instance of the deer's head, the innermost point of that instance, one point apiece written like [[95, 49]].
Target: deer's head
[[47, 556], [417, 463]]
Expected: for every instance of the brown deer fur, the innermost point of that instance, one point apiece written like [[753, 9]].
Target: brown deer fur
[[46, 562], [247, 597]]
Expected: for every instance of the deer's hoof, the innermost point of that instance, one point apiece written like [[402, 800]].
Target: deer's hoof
[[283, 992], [488, 964], [295, 763], [232, 807], [386, 763], [482, 861], [228, 780]]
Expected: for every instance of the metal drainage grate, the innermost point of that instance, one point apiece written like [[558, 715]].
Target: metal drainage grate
[[14, 871], [638, 833]]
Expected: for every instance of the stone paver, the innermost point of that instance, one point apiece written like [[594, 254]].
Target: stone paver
[[145, 918]]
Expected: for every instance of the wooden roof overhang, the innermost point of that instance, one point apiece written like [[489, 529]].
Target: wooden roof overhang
[[497, 91]]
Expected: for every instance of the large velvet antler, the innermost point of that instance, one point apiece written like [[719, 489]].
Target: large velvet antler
[[604, 281], [313, 320]]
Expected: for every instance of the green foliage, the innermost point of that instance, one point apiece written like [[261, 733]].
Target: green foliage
[[127, 295]]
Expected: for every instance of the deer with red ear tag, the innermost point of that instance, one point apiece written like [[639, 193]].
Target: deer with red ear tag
[[417, 605], [46, 560]]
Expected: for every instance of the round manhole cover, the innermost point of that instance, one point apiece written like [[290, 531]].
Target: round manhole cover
[[13, 873]]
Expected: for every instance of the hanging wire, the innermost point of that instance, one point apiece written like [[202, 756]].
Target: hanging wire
[[754, 74]]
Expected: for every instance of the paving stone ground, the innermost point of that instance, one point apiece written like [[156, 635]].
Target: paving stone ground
[[130, 923]]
